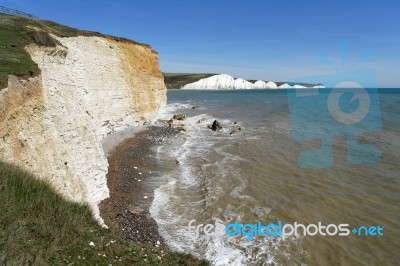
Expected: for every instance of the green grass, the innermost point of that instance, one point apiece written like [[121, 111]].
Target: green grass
[[38, 227], [17, 32]]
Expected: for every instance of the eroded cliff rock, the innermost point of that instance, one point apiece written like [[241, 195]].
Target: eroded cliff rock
[[53, 124]]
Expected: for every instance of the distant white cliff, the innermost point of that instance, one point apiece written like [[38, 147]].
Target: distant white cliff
[[227, 82], [296, 86]]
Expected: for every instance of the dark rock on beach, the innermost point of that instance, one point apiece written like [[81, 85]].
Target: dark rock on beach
[[170, 122], [216, 126], [179, 116]]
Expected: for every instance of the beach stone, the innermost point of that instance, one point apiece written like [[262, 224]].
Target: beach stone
[[179, 116], [196, 107], [170, 122], [134, 210], [216, 126]]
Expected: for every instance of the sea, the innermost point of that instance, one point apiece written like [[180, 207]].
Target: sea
[[251, 171]]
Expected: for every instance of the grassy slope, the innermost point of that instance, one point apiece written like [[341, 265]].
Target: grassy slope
[[17, 32], [38, 227]]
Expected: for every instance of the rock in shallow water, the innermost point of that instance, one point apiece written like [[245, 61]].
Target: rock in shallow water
[[170, 122], [216, 126], [179, 116]]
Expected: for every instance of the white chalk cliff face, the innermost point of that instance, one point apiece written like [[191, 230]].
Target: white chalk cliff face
[[244, 84], [227, 82], [224, 82], [53, 125]]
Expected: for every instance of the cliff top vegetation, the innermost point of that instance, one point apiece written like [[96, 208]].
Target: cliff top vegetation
[[17, 32]]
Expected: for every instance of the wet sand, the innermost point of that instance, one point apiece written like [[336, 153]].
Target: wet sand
[[131, 182]]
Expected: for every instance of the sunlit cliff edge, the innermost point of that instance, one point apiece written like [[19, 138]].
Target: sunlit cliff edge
[[68, 91]]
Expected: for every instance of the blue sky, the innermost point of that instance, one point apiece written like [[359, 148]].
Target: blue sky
[[269, 40]]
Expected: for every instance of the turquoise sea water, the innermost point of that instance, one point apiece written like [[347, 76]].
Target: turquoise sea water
[[254, 175]]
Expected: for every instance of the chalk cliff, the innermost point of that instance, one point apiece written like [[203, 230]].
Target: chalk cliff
[[89, 86], [227, 82]]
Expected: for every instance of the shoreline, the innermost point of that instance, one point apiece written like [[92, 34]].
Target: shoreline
[[130, 179], [110, 142]]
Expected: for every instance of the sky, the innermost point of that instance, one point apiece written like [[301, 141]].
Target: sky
[[253, 39]]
